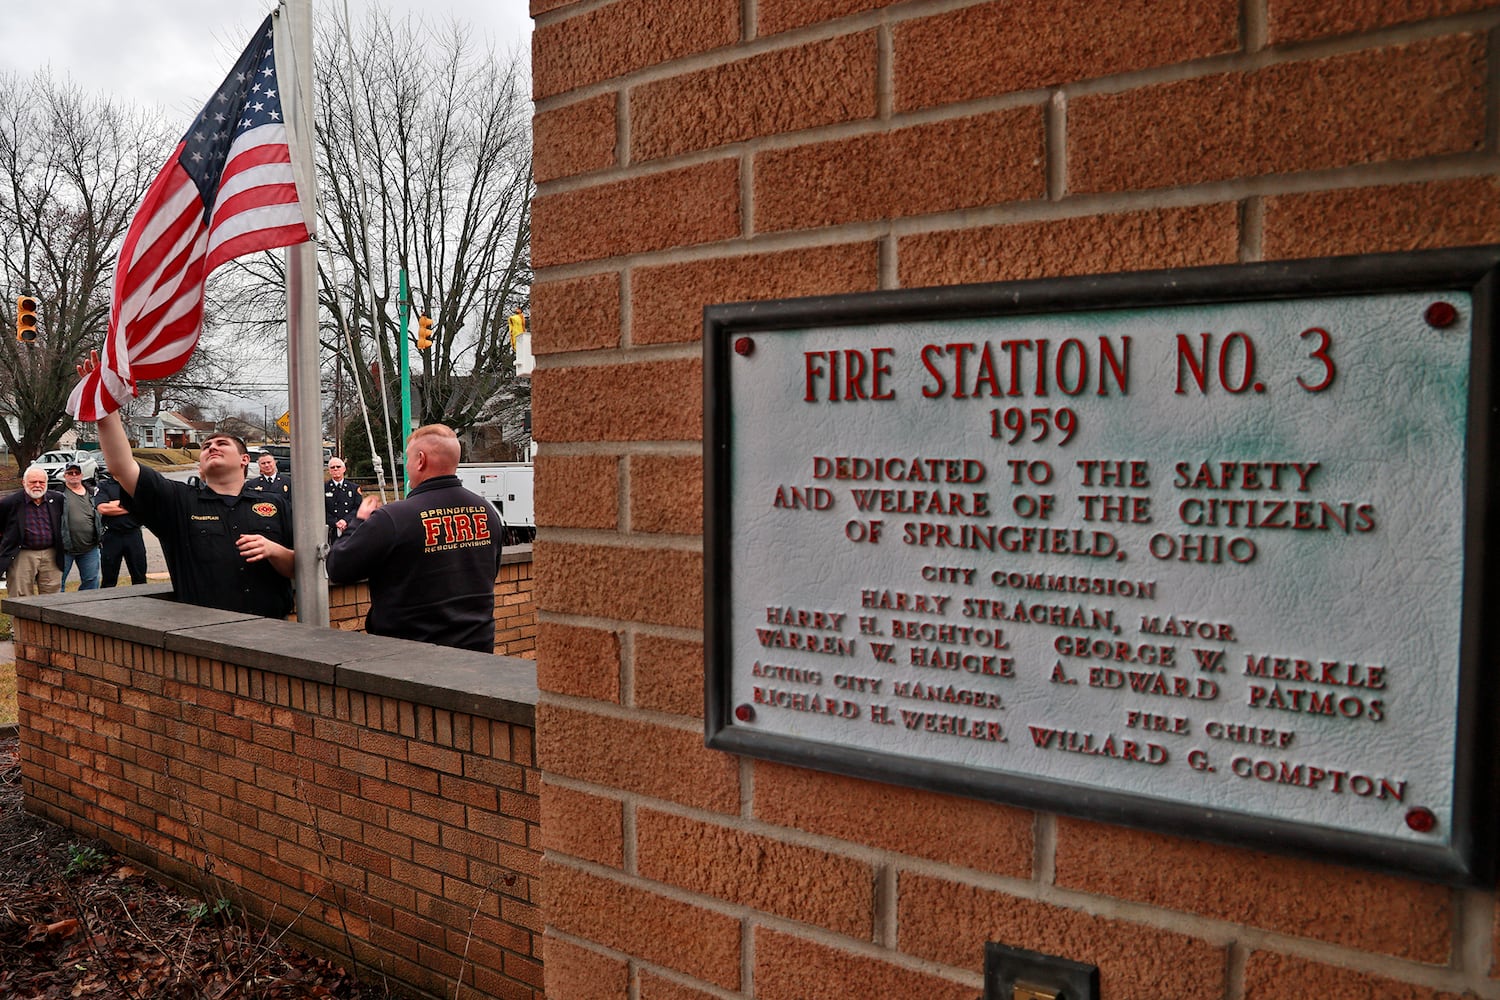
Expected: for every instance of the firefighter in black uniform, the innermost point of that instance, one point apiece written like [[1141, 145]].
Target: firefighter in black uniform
[[270, 479], [340, 501], [431, 559], [122, 537], [225, 547]]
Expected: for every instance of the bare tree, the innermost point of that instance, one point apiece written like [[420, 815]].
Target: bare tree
[[73, 169], [424, 156]]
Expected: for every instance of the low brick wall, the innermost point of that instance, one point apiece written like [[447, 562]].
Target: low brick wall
[[381, 796], [515, 606]]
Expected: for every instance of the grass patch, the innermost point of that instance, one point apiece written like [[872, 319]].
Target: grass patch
[[9, 713]]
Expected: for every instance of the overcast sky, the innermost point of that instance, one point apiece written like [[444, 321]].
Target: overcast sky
[[173, 53]]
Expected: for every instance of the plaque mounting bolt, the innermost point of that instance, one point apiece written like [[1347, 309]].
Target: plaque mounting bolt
[[744, 713], [744, 346], [1421, 819], [1441, 315]]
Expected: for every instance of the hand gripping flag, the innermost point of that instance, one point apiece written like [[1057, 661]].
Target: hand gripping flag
[[228, 190]]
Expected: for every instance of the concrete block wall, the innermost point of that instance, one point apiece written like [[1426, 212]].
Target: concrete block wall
[[378, 797], [727, 150]]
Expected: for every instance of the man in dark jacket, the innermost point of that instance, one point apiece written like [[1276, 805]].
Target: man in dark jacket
[[123, 540], [31, 541], [270, 479], [431, 559]]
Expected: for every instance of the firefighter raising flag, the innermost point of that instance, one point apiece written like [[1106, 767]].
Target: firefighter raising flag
[[227, 190]]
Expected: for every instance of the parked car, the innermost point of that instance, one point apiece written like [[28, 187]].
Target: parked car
[[53, 463], [102, 469]]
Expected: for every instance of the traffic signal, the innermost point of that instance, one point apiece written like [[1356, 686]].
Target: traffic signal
[[26, 318], [424, 332], [517, 327]]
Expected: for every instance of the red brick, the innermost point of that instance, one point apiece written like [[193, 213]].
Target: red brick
[[678, 935], [1293, 20], [942, 166], [655, 987], [587, 826], [669, 675], [1269, 976], [666, 494], [809, 885], [661, 586], [1454, 213], [640, 757], [1002, 47], [791, 968], [1378, 913], [581, 314], [1374, 106], [584, 662], [578, 491], [625, 36], [1095, 244], [773, 16], [576, 973], [651, 401], [948, 922], [785, 90], [574, 139], [676, 208], [976, 834], [667, 301]]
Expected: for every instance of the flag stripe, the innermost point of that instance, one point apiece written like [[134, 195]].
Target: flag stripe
[[228, 189]]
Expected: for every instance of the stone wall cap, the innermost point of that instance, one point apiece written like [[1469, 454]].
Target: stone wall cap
[[502, 688], [143, 615]]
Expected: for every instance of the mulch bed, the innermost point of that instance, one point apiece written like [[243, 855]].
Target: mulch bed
[[77, 921]]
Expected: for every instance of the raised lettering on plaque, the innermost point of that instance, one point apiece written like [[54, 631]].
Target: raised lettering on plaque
[[1184, 550]]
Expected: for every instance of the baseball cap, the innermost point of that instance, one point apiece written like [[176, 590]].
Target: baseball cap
[[71, 466]]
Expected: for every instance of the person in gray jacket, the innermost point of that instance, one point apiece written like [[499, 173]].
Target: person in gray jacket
[[83, 530]]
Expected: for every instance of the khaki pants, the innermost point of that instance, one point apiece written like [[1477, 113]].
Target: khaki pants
[[34, 571]]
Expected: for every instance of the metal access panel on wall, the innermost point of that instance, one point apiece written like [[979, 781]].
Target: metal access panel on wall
[[1201, 551]]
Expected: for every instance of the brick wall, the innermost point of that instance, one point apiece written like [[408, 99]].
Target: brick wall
[[380, 796], [723, 150]]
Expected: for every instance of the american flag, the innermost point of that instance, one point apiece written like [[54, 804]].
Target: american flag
[[226, 191]]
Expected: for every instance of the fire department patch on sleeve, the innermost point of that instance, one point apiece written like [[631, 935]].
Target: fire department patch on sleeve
[[265, 509]]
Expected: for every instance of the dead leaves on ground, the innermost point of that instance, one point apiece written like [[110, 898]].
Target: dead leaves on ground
[[114, 933]]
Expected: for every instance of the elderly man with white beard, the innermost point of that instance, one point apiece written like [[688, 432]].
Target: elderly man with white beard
[[32, 537]]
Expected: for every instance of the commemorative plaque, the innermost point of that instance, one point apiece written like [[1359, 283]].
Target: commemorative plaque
[[1200, 551]]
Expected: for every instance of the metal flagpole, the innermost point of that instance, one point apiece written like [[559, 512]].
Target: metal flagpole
[[405, 313], [308, 529]]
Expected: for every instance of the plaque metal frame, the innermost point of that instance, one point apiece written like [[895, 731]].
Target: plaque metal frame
[[1469, 856]]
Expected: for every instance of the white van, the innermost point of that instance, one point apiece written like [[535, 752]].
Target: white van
[[507, 485]]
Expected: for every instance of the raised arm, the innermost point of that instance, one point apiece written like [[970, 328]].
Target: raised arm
[[118, 457]]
